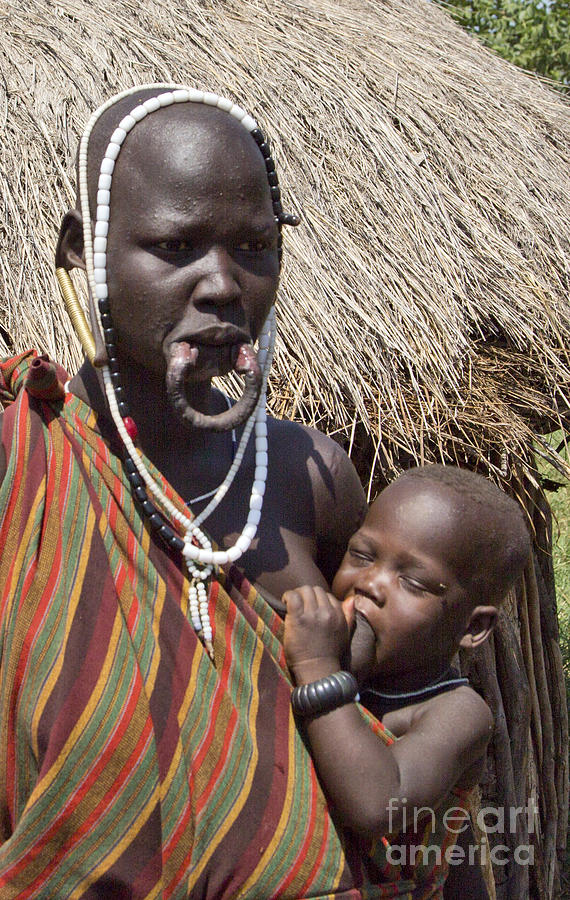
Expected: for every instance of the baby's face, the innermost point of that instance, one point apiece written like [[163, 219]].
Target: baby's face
[[401, 572]]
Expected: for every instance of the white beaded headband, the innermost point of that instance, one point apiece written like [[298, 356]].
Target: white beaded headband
[[195, 547]]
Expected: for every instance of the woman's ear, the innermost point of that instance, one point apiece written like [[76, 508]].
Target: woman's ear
[[69, 252], [481, 623]]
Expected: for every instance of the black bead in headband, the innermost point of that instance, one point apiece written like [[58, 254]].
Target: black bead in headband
[[196, 548]]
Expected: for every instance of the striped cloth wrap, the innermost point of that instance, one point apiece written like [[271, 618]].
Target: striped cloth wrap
[[131, 766]]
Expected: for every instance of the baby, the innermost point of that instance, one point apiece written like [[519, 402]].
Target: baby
[[422, 577]]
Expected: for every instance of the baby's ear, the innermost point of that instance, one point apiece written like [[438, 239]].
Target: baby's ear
[[481, 623], [69, 250]]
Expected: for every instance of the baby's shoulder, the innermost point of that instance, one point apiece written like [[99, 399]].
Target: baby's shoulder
[[461, 712], [466, 729], [455, 712]]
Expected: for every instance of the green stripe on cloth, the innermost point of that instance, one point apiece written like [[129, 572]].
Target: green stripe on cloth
[[130, 765]]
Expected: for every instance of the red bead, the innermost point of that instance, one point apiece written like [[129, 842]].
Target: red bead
[[130, 427]]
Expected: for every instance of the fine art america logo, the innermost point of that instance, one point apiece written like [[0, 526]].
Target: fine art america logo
[[456, 819]]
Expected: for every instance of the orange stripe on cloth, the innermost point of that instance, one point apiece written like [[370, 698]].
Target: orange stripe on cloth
[[130, 765]]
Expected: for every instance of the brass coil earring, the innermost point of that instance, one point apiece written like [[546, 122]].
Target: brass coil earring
[[75, 313]]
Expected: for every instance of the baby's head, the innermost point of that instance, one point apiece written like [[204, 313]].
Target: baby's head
[[490, 539], [437, 553]]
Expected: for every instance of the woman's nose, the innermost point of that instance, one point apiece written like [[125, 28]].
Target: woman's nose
[[217, 283]]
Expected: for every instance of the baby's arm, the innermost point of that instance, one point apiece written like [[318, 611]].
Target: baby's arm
[[364, 779]]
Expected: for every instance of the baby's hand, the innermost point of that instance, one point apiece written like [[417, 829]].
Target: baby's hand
[[316, 633]]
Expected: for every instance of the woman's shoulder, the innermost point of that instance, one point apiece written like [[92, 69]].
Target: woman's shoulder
[[335, 484], [302, 437], [294, 444], [304, 461]]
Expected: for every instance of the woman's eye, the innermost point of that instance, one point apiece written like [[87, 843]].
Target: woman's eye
[[252, 246], [174, 246]]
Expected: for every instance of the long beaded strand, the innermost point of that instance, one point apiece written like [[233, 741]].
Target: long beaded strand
[[196, 546]]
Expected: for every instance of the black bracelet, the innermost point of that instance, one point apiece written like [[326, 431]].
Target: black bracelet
[[323, 695]]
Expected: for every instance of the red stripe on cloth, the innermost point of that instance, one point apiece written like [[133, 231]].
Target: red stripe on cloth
[[85, 824]]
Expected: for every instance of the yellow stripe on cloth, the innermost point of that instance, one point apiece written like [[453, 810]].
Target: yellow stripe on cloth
[[69, 610], [241, 799]]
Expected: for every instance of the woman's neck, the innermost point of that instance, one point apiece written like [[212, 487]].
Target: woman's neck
[[192, 460]]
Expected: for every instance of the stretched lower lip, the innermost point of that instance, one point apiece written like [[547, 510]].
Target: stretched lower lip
[[186, 362], [215, 357]]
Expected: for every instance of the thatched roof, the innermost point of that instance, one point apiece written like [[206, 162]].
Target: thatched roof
[[430, 278]]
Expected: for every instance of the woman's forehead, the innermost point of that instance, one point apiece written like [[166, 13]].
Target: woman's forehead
[[195, 184], [189, 135]]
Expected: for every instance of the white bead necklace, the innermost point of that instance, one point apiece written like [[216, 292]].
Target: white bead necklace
[[198, 553]]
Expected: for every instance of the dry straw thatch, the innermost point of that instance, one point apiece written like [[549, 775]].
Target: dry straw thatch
[[425, 299]]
